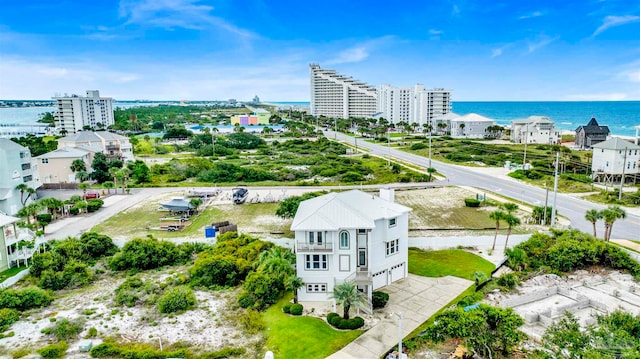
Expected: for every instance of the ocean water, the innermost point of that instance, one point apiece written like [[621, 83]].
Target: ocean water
[[620, 116]]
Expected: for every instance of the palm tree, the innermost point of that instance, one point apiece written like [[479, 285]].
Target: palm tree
[[496, 215], [347, 294], [195, 203], [81, 205], [593, 215], [512, 221], [78, 165], [431, 171], [113, 172], [509, 207], [610, 215], [53, 205], [277, 261], [108, 185], [462, 126], [293, 283], [83, 186], [23, 188], [32, 210]]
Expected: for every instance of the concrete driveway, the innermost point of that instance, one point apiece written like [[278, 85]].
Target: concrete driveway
[[417, 298]]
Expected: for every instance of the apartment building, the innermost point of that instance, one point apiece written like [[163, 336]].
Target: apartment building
[[73, 113], [15, 167], [396, 104], [336, 95], [413, 104]]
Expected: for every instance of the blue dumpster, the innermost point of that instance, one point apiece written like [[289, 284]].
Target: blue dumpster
[[209, 232]]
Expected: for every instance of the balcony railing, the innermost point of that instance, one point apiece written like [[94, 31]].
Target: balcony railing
[[314, 247]]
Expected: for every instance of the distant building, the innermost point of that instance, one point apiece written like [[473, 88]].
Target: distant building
[[441, 124], [55, 166], [72, 113], [256, 99], [591, 134], [431, 104], [396, 104], [15, 169], [111, 144], [471, 125], [10, 237], [350, 236], [612, 158], [535, 129], [336, 95]]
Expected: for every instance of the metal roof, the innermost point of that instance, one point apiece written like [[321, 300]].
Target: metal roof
[[65, 152], [4, 219], [344, 210], [616, 143]]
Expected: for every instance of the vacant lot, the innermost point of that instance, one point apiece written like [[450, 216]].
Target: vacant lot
[[455, 262]]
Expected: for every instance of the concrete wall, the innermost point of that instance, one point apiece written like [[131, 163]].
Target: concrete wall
[[467, 241], [529, 298]]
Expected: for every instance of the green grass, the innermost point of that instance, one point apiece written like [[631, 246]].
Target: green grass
[[4, 275], [636, 242], [454, 262], [302, 337]]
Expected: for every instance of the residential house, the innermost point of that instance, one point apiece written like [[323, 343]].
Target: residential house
[[470, 125], [614, 159], [55, 166], [591, 134], [17, 245], [15, 169], [350, 236], [442, 124], [111, 144], [535, 129]]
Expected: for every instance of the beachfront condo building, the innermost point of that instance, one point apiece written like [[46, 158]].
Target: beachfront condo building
[[75, 113], [340, 96], [413, 104]]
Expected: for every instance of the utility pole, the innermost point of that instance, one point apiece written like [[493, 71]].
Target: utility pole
[[388, 148], [524, 160], [555, 191], [546, 201], [429, 149], [624, 163]]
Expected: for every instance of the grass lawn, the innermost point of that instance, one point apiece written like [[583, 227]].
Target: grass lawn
[[454, 262], [302, 337], [4, 275]]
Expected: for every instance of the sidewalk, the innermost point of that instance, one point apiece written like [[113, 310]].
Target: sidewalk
[[416, 298]]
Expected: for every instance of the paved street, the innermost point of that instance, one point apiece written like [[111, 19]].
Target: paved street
[[567, 205]]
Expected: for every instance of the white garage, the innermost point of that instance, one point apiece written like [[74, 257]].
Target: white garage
[[397, 272], [379, 279]]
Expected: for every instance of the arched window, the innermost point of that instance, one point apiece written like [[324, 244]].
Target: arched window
[[344, 239]]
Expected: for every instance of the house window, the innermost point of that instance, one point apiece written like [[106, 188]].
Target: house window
[[392, 247], [316, 287], [315, 237], [362, 231], [392, 222], [27, 178], [44, 160], [316, 261], [344, 240]]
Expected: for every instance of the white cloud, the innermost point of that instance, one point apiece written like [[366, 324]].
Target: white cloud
[[171, 14], [531, 15], [435, 32], [540, 42], [354, 54], [634, 76], [496, 52], [607, 96], [612, 21]]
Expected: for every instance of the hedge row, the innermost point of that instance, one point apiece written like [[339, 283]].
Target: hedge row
[[338, 322]]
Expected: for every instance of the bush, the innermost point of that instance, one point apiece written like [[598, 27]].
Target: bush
[[471, 202], [24, 299], [44, 217], [74, 210], [334, 319], [54, 351], [251, 321], [337, 322], [286, 308], [245, 300], [7, 318], [65, 329], [148, 253], [508, 281], [176, 300], [379, 299], [418, 146], [223, 353], [296, 309], [470, 299], [92, 333], [105, 350]]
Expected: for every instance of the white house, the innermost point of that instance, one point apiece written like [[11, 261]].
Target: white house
[[350, 236], [111, 144], [613, 157], [470, 125], [535, 129]]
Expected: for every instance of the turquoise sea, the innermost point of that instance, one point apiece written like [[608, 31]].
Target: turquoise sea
[[620, 116]]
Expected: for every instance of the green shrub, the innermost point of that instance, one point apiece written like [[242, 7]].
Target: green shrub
[[379, 299], [223, 353], [105, 350], [470, 299], [508, 281], [54, 351], [176, 300], [296, 309], [334, 319], [286, 308], [245, 300], [65, 329], [471, 202], [92, 333], [337, 322], [24, 299], [44, 217], [8, 317], [19, 353], [352, 177], [94, 204], [251, 321], [418, 146], [147, 253]]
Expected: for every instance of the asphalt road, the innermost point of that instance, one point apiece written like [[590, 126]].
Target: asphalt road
[[570, 207]]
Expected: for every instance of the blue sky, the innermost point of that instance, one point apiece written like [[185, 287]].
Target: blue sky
[[205, 50]]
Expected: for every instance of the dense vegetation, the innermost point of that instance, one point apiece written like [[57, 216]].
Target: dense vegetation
[[150, 253]]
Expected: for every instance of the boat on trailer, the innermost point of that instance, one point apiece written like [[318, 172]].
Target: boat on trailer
[[240, 195]]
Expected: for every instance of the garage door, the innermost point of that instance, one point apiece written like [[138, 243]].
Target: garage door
[[397, 272], [379, 279]]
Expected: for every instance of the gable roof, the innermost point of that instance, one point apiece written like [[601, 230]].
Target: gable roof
[[593, 128], [472, 117], [351, 209], [6, 143], [532, 120], [4, 219], [616, 143], [65, 152], [88, 136]]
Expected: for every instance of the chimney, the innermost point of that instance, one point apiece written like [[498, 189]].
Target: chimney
[[387, 194]]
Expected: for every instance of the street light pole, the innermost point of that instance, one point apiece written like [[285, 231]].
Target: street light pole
[[388, 149], [524, 160], [624, 162], [555, 192], [429, 149], [399, 315]]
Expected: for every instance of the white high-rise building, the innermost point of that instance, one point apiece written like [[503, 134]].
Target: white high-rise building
[[412, 104], [336, 95], [73, 112]]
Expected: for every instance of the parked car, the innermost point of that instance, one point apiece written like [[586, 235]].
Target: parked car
[[92, 195]]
